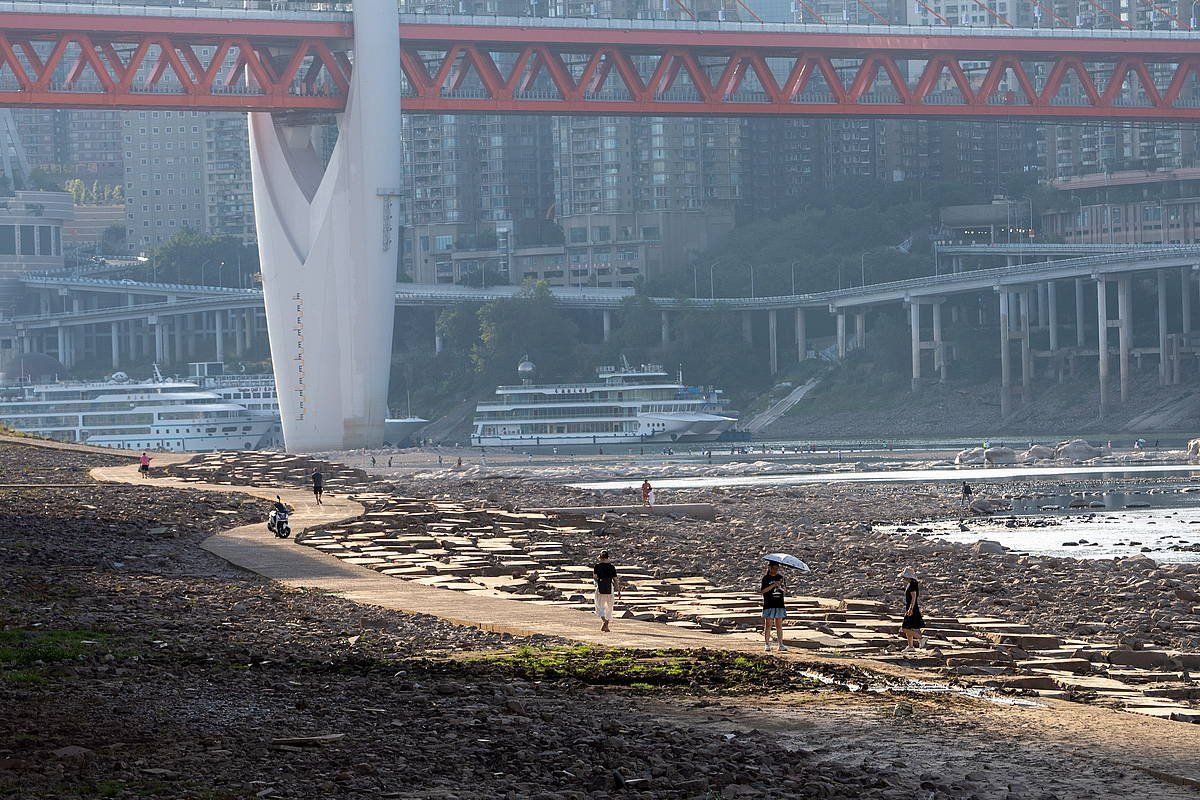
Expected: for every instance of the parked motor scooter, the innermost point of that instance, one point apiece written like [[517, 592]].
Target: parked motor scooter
[[277, 520]]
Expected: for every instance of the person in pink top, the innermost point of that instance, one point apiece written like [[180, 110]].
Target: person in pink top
[[144, 465]]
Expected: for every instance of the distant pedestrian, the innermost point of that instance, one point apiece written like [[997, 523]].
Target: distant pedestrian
[[459, 465], [439, 460], [318, 483], [650, 498], [966, 494], [607, 582], [372, 461], [389, 461], [646, 490], [144, 465], [773, 611], [913, 621]]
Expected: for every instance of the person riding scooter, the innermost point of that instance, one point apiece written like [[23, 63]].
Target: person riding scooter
[[277, 521]]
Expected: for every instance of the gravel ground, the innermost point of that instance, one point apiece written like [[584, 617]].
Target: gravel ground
[[134, 664]]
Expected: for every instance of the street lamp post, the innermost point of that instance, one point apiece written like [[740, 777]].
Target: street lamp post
[[862, 266], [712, 286], [794, 264], [751, 280]]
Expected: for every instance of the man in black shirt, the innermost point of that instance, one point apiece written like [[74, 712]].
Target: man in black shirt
[[318, 482], [607, 582]]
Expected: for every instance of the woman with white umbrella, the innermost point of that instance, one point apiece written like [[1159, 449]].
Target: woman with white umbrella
[[774, 612]]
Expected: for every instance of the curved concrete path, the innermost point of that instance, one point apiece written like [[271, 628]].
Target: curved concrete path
[[1167, 750]]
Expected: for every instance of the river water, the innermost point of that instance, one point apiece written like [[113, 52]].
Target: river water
[[1162, 522], [970, 474]]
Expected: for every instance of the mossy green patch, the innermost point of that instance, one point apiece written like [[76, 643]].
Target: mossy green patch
[[642, 669], [24, 653]]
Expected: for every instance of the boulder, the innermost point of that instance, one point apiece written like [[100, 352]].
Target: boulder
[[1076, 450], [989, 547], [1000, 455], [981, 505], [972, 455], [1038, 452]]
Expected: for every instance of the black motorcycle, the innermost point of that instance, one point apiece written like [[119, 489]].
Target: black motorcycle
[[277, 523]]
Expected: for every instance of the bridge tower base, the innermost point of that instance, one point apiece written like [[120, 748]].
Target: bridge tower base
[[328, 242]]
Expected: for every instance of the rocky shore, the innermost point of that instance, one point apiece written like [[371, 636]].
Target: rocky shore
[[134, 664], [833, 528]]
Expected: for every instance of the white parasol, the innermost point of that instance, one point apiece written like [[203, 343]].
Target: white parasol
[[787, 561]]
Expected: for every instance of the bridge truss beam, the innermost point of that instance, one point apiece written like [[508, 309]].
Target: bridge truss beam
[[72, 60]]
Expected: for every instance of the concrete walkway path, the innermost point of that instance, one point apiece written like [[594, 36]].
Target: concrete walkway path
[[1167, 750]]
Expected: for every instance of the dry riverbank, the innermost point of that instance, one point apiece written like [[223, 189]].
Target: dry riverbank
[[135, 664]]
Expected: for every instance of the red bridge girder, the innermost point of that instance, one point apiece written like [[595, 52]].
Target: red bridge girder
[[72, 60]]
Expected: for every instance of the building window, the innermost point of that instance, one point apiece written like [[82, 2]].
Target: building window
[[578, 235]]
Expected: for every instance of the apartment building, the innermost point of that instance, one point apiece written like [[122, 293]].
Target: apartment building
[[164, 175], [228, 195], [66, 143]]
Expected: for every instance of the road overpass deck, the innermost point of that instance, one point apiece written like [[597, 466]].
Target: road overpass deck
[[200, 298]]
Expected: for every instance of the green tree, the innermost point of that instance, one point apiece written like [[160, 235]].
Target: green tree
[[528, 324], [196, 258]]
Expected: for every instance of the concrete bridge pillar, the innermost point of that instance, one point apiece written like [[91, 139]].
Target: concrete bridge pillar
[[114, 330], [1125, 331], [64, 356], [1163, 371], [1043, 304], [219, 333], [939, 348], [607, 322], [772, 338], [801, 336], [747, 328], [194, 325], [237, 319], [1102, 317], [1005, 356], [914, 310], [860, 330], [177, 335], [1026, 353], [665, 327], [437, 335], [160, 344], [328, 238], [1079, 313], [841, 335], [1052, 314], [1185, 297]]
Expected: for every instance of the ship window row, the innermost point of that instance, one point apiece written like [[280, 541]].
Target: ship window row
[[559, 412], [116, 432], [639, 394], [25, 408], [198, 415], [544, 428], [29, 423], [117, 419]]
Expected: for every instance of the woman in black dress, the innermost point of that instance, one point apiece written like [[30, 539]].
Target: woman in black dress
[[913, 622]]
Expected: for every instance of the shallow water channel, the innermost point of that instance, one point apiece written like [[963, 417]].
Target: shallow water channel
[[1160, 522]]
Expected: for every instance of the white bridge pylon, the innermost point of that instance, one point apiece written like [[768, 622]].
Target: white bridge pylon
[[328, 244]]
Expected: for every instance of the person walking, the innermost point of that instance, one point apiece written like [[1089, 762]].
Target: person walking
[[773, 612], [605, 576], [913, 621], [966, 494], [318, 483], [646, 490], [144, 465]]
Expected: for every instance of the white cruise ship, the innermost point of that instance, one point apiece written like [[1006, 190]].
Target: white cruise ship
[[626, 405], [157, 414]]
